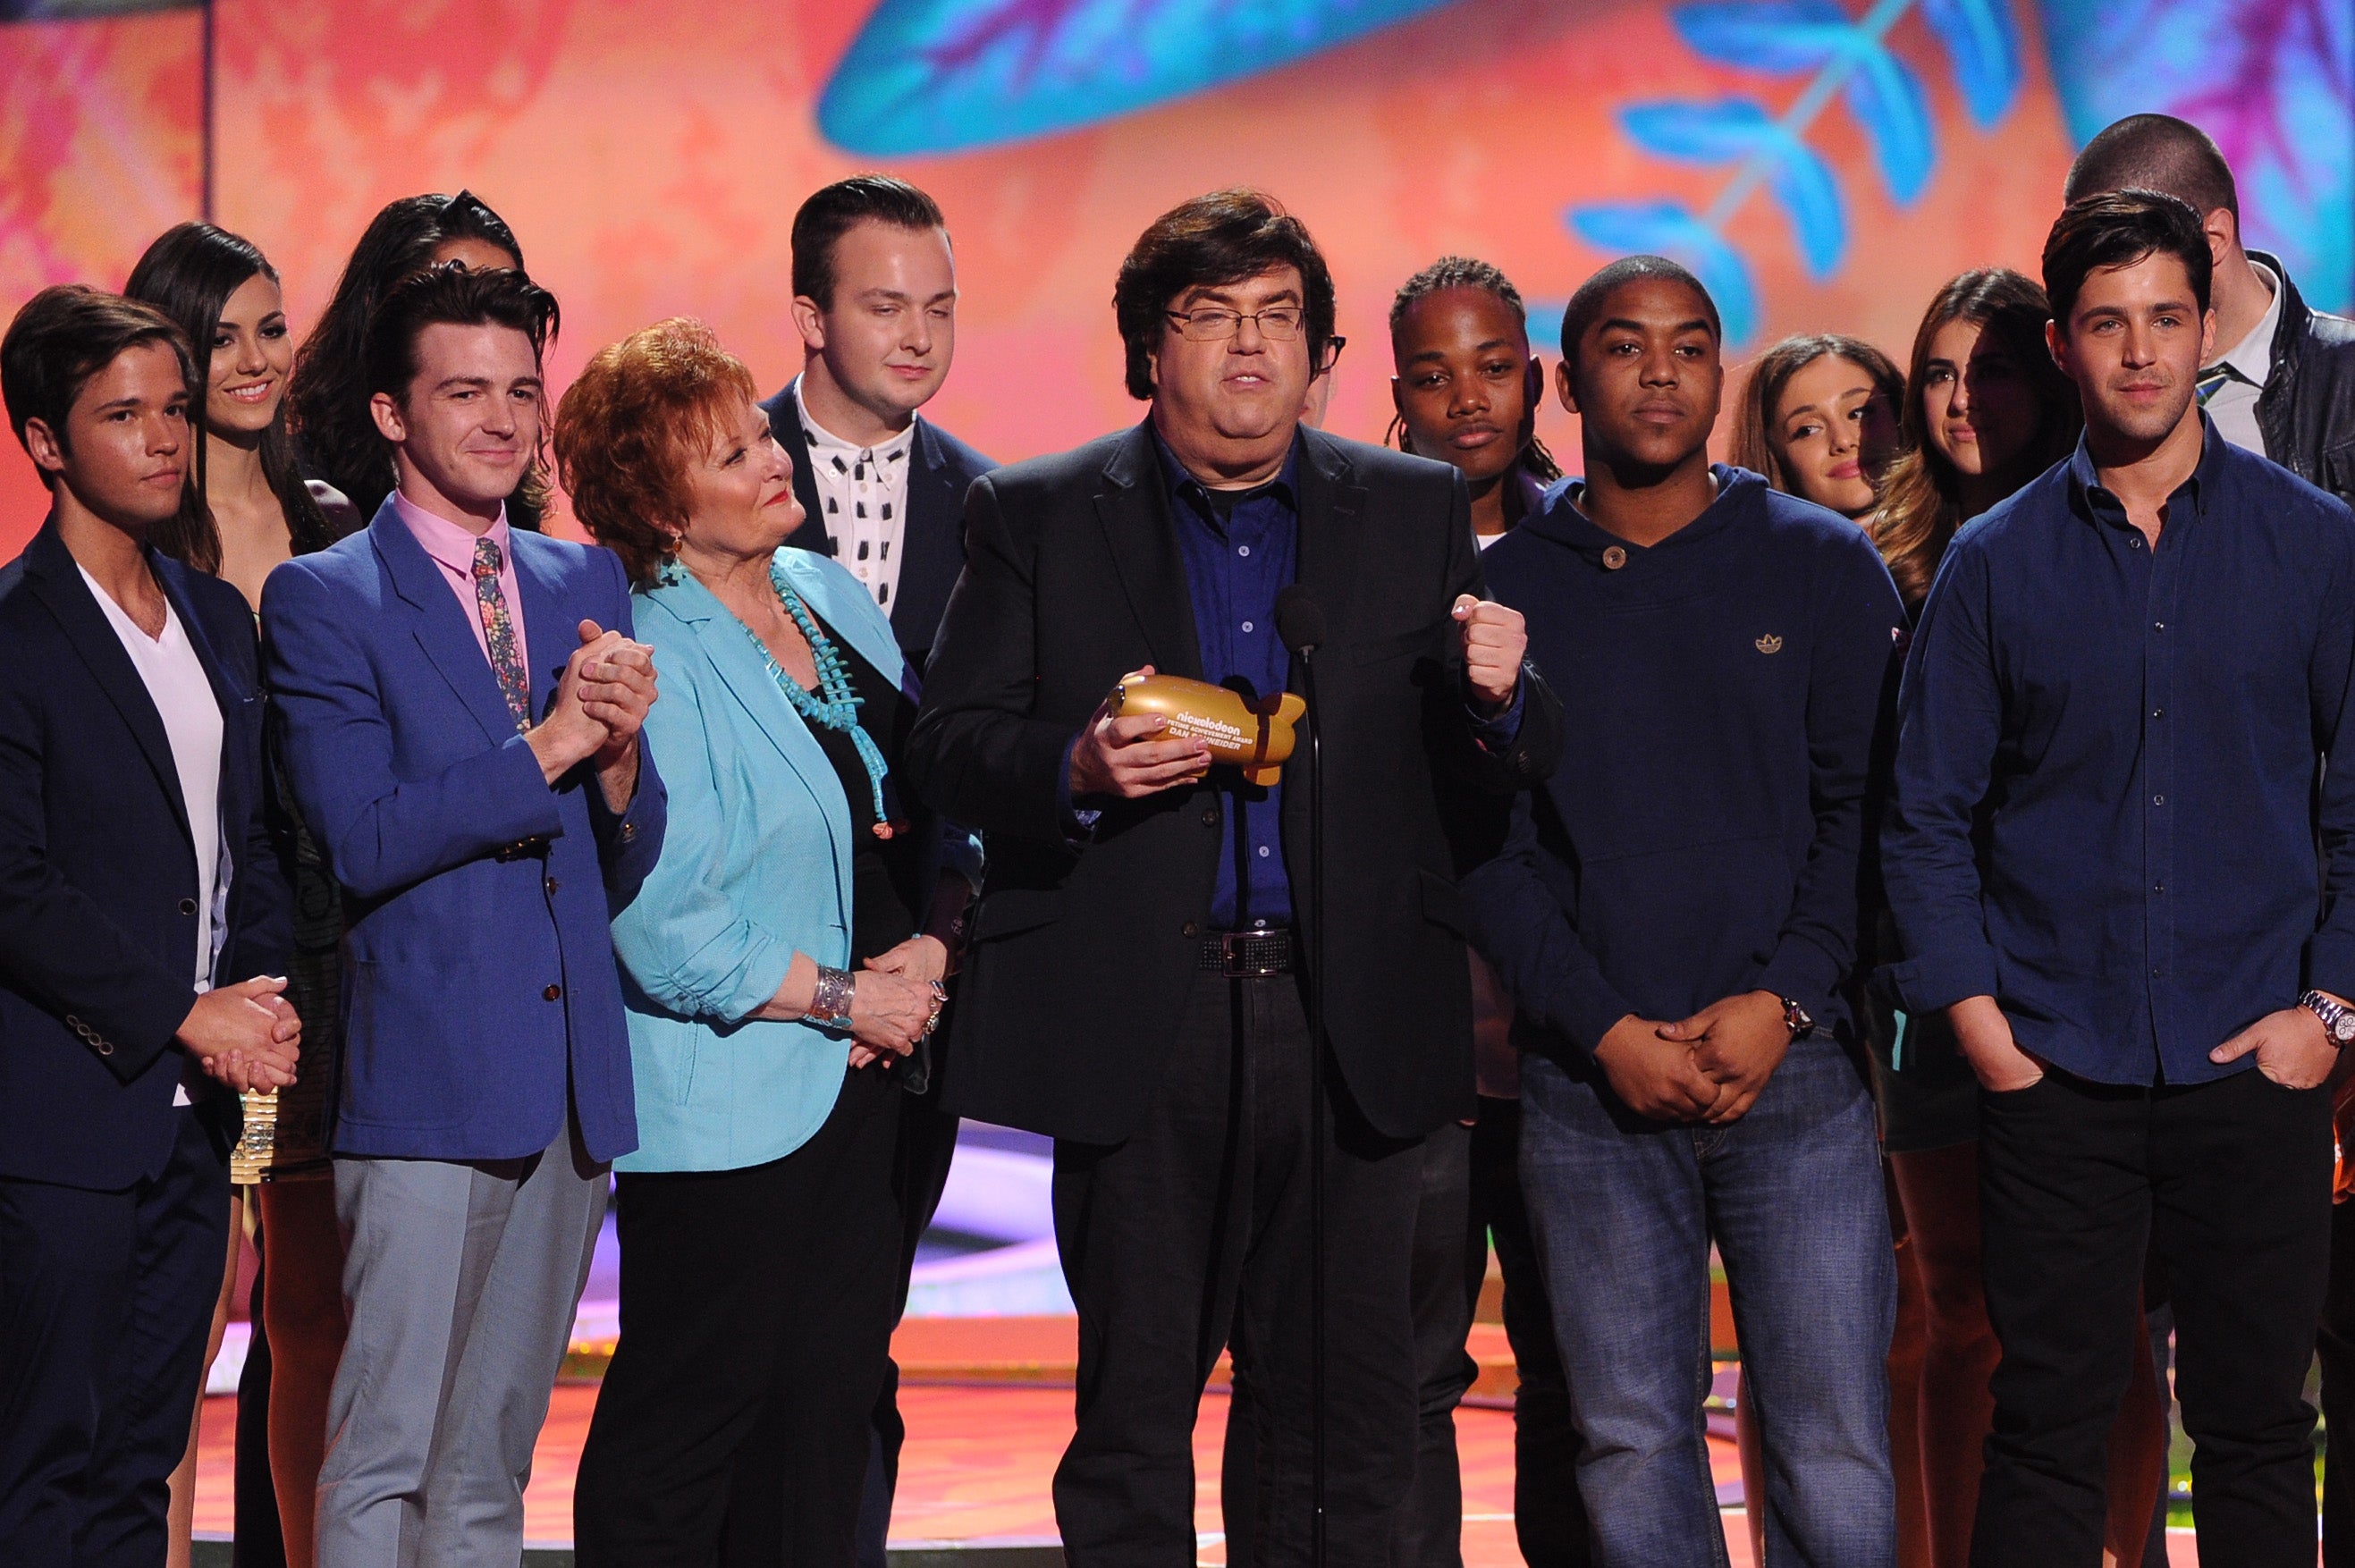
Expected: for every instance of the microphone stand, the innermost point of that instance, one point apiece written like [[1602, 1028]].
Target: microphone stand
[[1316, 1110]]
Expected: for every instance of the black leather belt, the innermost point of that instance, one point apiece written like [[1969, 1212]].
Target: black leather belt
[[1248, 954]]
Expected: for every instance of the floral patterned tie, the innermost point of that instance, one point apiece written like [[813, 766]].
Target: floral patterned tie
[[498, 631]]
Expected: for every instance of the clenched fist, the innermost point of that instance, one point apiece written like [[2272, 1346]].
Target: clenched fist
[[1496, 639]]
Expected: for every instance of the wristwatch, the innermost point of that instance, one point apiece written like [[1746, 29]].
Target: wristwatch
[[1796, 1018], [2338, 1018]]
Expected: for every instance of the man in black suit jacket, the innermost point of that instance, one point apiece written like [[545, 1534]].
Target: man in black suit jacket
[[882, 491], [1133, 984], [141, 912]]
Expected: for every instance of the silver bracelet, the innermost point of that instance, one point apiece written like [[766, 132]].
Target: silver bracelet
[[830, 999]]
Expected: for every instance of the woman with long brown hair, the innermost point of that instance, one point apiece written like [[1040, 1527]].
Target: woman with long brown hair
[[1986, 411], [245, 509], [1820, 420]]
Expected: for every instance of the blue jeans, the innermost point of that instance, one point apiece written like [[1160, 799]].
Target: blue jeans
[[1623, 1211]]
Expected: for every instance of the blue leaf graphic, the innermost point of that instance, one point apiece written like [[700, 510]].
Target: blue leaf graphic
[[1667, 228], [942, 76], [1735, 129], [1888, 102], [1781, 38], [1982, 38]]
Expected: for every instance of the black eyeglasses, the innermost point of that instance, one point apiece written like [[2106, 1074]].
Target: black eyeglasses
[[1210, 324], [1333, 347]]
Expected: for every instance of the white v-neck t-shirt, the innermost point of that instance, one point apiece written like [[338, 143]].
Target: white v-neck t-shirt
[[183, 695]]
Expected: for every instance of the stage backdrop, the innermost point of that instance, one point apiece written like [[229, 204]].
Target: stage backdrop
[[1824, 164]]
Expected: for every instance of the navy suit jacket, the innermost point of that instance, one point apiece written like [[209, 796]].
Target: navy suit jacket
[[941, 469], [479, 982], [98, 872]]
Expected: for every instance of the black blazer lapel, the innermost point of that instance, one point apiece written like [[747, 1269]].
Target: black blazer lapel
[[1138, 529], [931, 544], [1332, 529], [59, 582]]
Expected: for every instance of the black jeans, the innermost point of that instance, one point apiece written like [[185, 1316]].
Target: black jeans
[[1197, 1226], [2227, 1184], [756, 1315]]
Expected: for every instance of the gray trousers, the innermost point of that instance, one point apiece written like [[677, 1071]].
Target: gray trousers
[[460, 1280]]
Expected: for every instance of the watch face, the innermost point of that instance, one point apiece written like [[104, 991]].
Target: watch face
[[2342, 1032]]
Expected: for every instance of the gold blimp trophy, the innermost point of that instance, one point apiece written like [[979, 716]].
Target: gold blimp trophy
[[1254, 736]]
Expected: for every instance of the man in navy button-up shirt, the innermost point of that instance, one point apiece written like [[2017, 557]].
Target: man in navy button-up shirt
[[2101, 851]]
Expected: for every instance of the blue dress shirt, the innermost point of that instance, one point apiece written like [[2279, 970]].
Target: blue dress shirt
[[2108, 769]]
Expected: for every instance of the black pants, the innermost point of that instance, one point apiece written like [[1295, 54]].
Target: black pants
[[105, 1302], [756, 1313], [1471, 1193], [1197, 1226], [2229, 1185], [2337, 1345], [921, 1173], [261, 1540]]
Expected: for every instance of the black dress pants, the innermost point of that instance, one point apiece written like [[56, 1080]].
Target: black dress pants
[[1197, 1226], [756, 1315], [105, 1302], [2336, 1344], [2227, 1184]]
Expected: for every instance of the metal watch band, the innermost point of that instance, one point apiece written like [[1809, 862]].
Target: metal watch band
[[1796, 1018], [830, 999], [2338, 1021]]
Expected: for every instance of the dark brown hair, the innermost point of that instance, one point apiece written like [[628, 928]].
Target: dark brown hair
[[2156, 152], [642, 410], [66, 335], [1222, 237], [1468, 272], [832, 211], [328, 407], [1756, 444], [1921, 493], [2119, 229], [189, 273]]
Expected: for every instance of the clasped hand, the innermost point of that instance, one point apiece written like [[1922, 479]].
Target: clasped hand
[[893, 1001], [245, 1036], [601, 704], [1710, 1067]]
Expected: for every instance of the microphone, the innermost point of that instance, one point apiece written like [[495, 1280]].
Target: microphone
[[1299, 620]]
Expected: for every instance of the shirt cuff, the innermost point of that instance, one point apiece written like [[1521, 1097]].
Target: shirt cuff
[[1498, 734], [1932, 981], [1079, 822]]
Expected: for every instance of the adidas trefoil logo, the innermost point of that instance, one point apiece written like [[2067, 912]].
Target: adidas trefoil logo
[[1769, 643]]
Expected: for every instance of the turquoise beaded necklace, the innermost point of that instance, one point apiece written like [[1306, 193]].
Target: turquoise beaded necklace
[[834, 704]]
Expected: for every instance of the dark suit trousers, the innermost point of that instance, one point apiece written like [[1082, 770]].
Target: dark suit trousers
[[756, 1313], [105, 1299], [2228, 1183], [1196, 1227]]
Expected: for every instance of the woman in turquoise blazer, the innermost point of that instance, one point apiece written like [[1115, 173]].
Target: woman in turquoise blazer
[[776, 982]]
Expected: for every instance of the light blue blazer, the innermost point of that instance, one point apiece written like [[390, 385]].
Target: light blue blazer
[[755, 867]]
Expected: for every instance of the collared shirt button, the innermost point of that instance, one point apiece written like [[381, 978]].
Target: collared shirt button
[[1262, 851], [2159, 625], [1242, 550], [551, 993], [552, 886], [2158, 800], [1247, 626], [2158, 713], [2158, 887], [2135, 543]]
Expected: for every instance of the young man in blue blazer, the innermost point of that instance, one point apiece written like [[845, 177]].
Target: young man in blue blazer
[[462, 703], [142, 920]]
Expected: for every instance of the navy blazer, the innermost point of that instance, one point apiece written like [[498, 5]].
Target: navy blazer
[[941, 468], [479, 982], [98, 872]]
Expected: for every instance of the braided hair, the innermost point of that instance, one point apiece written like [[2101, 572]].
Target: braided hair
[[1466, 273]]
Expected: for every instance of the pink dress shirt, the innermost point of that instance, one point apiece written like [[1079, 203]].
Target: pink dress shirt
[[453, 549]]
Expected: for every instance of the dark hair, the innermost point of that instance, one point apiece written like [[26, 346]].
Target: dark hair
[[1755, 444], [188, 274], [327, 403], [1222, 237], [2156, 152], [2120, 228], [630, 424], [1588, 301], [1466, 272], [450, 295], [65, 334], [832, 211], [1921, 493]]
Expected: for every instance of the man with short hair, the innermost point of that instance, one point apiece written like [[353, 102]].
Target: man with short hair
[[1134, 986], [2101, 850], [1674, 914], [2280, 377], [882, 491], [144, 922], [461, 704]]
